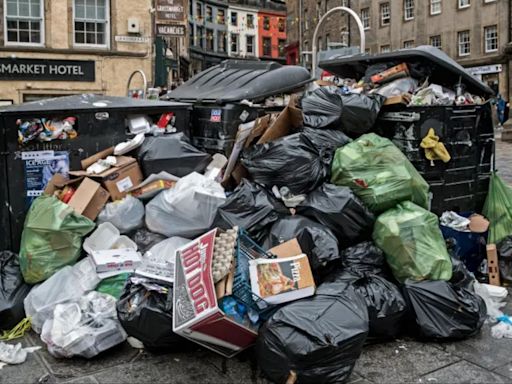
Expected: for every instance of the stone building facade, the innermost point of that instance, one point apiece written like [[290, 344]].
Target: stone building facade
[[476, 33], [62, 47]]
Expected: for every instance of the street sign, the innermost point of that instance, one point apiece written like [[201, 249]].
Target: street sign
[[132, 39], [171, 30], [170, 11]]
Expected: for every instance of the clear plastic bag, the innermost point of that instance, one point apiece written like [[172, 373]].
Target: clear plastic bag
[[69, 283], [84, 327], [126, 214], [188, 209]]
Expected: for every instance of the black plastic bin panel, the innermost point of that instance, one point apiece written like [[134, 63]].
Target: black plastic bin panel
[[5, 224], [93, 135]]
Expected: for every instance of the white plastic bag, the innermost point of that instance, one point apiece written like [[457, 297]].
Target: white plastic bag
[[84, 327], [188, 209], [14, 353], [493, 304], [158, 262], [69, 283], [126, 214]]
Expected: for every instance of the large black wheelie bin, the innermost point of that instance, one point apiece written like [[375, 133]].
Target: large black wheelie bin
[[231, 93], [467, 131], [100, 123]]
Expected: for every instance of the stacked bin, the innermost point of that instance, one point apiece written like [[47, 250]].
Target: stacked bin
[[466, 131]]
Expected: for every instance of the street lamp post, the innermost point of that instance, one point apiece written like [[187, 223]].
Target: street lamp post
[[317, 29]]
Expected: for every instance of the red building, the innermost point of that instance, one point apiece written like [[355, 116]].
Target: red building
[[272, 34]]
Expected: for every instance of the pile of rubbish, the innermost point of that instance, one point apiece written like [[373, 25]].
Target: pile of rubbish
[[311, 240]]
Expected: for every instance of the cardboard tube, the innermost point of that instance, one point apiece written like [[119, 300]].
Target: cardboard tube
[[86, 163]]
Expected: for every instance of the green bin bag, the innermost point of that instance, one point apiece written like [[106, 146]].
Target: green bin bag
[[498, 210], [114, 285], [51, 239], [379, 173], [413, 243]]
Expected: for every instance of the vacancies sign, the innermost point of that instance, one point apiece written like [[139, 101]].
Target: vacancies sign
[[46, 70]]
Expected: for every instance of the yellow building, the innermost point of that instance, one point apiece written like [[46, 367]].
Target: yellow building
[[62, 47]]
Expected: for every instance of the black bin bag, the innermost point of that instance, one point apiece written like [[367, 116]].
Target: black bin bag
[[354, 114], [145, 312], [365, 258], [316, 240], [505, 259], [13, 291], [341, 211], [300, 161], [319, 338], [444, 311], [250, 207], [387, 308], [173, 154], [145, 239]]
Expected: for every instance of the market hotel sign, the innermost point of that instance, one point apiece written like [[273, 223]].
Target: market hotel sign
[[46, 70]]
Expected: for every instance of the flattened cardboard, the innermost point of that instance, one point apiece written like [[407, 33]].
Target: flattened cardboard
[[289, 248], [86, 163]]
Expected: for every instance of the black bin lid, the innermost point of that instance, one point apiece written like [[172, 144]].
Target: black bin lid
[[90, 102], [446, 71], [236, 80]]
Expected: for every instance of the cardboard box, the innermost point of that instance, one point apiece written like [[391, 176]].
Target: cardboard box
[[196, 314], [89, 197], [153, 184], [110, 260], [289, 248], [119, 179]]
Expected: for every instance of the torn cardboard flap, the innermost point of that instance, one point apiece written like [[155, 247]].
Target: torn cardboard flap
[[289, 248]]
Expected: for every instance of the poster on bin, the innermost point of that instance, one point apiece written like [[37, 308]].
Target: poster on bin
[[40, 166]]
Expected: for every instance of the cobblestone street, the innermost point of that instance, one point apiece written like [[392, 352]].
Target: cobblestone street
[[480, 359]]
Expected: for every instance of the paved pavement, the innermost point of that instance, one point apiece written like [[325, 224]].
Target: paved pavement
[[480, 359]]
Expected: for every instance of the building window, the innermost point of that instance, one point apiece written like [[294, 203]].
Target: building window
[[318, 10], [234, 43], [199, 11], [221, 16], [464, 3], [306, 20], [385, 48], [408, 9], [464, 43], [280, 46], [91, 22], [191, 34], [266, 23], [409, 44], [200, 37], [325, 5], [435, 7], [367, 51], [281, 26], [327, 40], [344, 36], [319, 44], [209, 14], [385, 14], [435, 41], [209, 39], [221, 41], [25, 22], [234, 18], [491, 38], [250, 21], [365, 17], [267, 46], [191, 8], [249, 44]]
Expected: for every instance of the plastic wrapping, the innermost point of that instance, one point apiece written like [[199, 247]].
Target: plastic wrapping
[[498, 209], [398, 87], [443, 311], [173, 154], [249, 207], [387, 308], [379, 173], [51, 238], [188, 209], [319, 339], [364, 258], [341, 211], [145, 239], [413, 244], [300, 161], [354, 114], [114, 285], [69, 283], [83, 327], [13, 291], [316, 240], [145, 311], [126, 214]]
